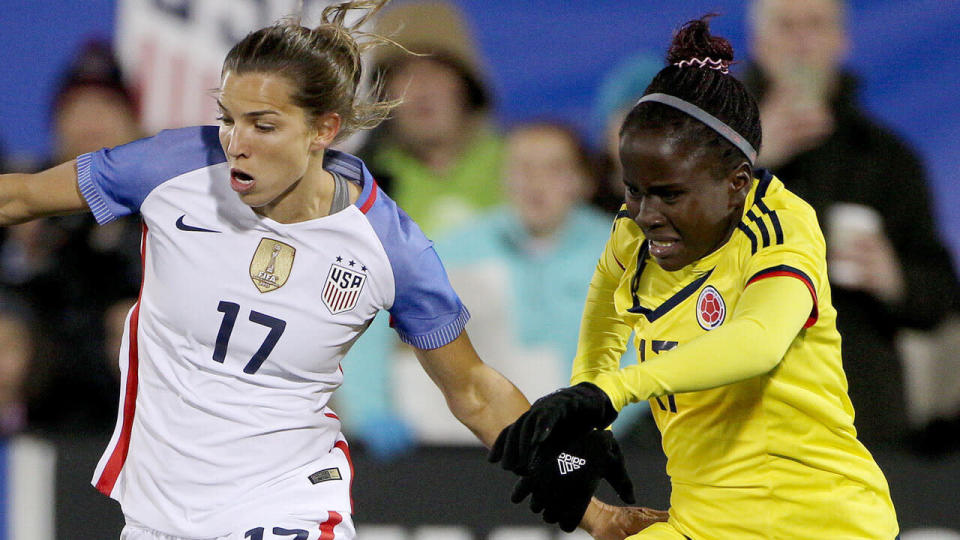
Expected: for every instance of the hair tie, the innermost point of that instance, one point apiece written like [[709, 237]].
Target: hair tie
[[723, 66]]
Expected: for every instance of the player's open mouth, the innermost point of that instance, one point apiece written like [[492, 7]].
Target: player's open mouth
[[661, 249], [240, 181]]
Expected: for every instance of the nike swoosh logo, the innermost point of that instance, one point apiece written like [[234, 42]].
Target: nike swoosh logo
[[184, 227]]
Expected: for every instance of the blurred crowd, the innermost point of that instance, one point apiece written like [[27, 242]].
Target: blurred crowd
[[519, 215]]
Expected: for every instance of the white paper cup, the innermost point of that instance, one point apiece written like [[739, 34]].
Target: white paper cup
[[845, 223]]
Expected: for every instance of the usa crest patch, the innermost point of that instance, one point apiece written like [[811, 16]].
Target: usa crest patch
[[343, 286], [711, 309]]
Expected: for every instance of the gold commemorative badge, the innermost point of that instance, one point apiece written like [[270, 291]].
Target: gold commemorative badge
[[271, 264]]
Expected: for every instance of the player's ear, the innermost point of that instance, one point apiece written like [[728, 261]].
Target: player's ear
[[327, 126], [738, 184]]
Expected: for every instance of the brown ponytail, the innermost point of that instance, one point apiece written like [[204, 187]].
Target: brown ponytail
[[323, 64]]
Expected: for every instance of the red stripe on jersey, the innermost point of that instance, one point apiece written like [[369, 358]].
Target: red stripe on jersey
[[326, 528], [342, 445], [815, 312], [370, 199], [331, 415], [112, 469]]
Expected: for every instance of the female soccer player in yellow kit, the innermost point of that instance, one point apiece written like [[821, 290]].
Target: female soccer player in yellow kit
[[721, 273]]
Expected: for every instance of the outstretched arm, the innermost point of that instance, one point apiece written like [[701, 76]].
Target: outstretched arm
[[768, 317], [480, 397], [24, 197], [486, 402]]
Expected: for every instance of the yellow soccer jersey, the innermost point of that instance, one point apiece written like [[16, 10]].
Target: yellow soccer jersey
[[754, 450]]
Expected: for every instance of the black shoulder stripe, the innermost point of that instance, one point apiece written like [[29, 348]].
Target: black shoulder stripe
[[620, 215], [753, 238], [761, 226], [777, 228], [765, 177], [783, 269]]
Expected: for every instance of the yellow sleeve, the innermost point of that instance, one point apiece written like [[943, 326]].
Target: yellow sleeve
[[767, 318], [603, 333]]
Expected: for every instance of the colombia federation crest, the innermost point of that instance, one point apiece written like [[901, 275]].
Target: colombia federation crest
[[344, 283], [711, 309]]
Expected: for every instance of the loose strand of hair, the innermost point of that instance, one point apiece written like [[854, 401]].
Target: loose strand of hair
[[334, 16], [337, 13], [299, 12]]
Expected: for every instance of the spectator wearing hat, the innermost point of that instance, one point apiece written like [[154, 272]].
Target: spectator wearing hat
[[439, 156], [92, 108]]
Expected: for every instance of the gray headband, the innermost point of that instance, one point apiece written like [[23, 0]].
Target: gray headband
[[711, 121]]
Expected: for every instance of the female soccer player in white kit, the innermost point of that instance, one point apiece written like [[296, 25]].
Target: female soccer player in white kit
[[265, 256]]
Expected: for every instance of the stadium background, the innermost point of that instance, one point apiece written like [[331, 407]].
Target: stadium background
[[543, 58]]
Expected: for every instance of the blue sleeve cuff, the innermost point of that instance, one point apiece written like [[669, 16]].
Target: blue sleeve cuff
[[439, 337], [91, 192]]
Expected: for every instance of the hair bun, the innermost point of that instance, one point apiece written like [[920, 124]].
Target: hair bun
[[694, 46]]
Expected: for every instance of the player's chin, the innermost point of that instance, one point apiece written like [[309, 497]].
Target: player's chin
[[672, 262], [255, 198]]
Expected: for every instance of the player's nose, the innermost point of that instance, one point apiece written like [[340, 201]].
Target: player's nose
[[236, 143], [650, 214]]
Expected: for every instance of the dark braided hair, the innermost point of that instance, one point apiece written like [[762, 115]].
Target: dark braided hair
[[709, 88]]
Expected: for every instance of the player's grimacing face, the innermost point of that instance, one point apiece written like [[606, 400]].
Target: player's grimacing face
[[264, 135], [684, 211]]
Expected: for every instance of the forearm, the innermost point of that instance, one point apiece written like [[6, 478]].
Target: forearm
[[594, 515], [603, 333], [491, 403], [477, 395], [12, 200], [768, 317], [55, 191]]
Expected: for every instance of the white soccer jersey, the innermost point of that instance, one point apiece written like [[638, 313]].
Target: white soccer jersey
[[233, 349]]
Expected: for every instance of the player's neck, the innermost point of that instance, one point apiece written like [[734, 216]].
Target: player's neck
[[308, 198]]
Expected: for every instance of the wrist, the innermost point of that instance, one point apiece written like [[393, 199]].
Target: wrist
[[607, 386], [601, 403], [592, 516]]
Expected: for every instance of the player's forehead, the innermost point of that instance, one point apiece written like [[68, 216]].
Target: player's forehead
[[256, 92], [660, 157]]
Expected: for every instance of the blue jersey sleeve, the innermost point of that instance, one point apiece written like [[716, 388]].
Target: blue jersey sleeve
[[115, 181], [426, 312]]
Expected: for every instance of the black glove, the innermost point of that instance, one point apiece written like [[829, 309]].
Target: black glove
[[565, 414], [564, 476]]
